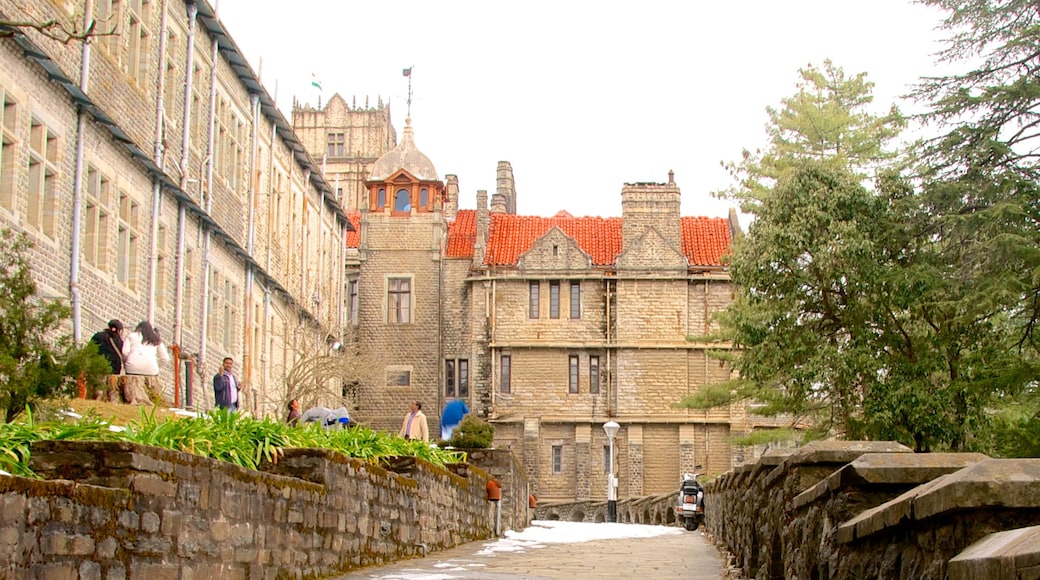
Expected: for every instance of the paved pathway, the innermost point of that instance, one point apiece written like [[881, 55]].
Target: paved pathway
[[675, 554]]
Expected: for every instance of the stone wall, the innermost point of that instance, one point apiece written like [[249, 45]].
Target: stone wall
[[869, 510], [652, 510], [502, 466], [117, 510]]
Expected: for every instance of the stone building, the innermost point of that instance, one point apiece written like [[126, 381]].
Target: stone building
[[159, 181], [548, 327], [347, 139]]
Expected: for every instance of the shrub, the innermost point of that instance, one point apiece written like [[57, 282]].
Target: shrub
[[473, 433]]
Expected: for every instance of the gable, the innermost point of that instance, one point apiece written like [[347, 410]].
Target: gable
[[554, 252], [651, 252]]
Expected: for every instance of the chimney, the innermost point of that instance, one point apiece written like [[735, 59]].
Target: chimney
[[498, 203], [651, 205], [483, 223], [451, 194], [506, 187]]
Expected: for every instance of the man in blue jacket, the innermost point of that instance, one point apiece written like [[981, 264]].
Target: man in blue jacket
[[453, 413]]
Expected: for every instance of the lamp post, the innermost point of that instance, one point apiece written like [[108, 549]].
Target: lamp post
[[611, 429]]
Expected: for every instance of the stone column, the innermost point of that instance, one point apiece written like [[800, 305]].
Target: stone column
[[532, 426], [582, 462], [634, 486]]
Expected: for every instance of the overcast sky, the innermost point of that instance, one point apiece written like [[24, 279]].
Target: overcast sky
[[580, 97]]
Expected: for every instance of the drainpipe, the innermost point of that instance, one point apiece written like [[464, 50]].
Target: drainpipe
[[610, 350], [77, 187], [264, 360], [153, 264], [247, 355], [203, 330], [178, 300], [303, 236]]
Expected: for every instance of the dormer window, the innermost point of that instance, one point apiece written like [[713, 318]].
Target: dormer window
[[402, 200]]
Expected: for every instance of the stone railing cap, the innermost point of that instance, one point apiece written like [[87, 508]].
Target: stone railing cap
[[1007, 483], [997, 554], [888, 468]]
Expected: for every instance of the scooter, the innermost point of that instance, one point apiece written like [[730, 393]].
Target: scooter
[[691, 502]]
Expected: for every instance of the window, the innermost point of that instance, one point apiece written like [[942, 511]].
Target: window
[[456, 378], [505, 372], [381, 199], [399, 301], [533, 300], [8, 119], [107, 15], [96, 244], [198, 77], [174, 86], [606, 459], [402, 200], [188, 297], [594, 374], [575, 299], [336, 145], [557, 458], [398, 378], [128, 241], [137, 61], [572, 375], [212, 319], [424, 198], [161, 286], [43, 178], [230, 314], [352, 301], [554, 299]]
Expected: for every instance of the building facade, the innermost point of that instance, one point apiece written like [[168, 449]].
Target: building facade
[[547, 327], [159, 182]]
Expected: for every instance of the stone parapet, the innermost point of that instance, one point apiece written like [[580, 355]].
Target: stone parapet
[[809, 546], [126, 510], [885, 513]]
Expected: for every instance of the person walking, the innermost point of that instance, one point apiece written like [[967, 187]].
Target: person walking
[[142, 351], [451, 417], [225, 386], [110, 344], [414, 425]]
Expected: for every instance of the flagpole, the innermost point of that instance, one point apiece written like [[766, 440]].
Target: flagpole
[[408, 73]]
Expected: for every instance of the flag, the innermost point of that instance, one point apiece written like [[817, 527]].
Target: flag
[[407, 72], [315, 82]]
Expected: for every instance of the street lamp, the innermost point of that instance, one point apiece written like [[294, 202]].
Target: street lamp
[[611, 429]]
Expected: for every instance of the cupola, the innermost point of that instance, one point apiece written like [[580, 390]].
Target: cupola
[[404, 180]]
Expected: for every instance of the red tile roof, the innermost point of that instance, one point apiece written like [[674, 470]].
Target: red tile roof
[[704, 240], [512, 235], [462, 234], [354, 237]]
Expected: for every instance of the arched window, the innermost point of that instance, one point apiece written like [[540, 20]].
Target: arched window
[[402, 200], [424, 198], [381, 202]]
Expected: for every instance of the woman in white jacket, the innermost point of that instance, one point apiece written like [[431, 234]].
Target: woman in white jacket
[[142, 351]]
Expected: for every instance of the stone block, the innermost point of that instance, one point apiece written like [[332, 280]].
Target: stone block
[[1010, 554], [12, 508], [149, 484], [59, 571], [888, 469], [1007, 483]]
